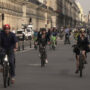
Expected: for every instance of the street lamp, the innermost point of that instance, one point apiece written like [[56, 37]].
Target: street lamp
[[2, 13]]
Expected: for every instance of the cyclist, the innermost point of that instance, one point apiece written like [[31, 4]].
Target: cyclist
[[54, 36], [67, 35], [83, 44], [43, 39], [10, 45], [35, 37], [76, 34]]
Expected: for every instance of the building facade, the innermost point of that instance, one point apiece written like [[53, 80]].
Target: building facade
[[24, 12], [39, 13], [68, 13]]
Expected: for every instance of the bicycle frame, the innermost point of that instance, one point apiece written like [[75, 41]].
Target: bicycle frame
[[43, 56], [81, 60]]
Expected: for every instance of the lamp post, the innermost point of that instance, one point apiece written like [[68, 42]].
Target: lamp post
[[2, 13]]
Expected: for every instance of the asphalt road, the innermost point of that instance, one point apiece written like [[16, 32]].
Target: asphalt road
[[59, 73]]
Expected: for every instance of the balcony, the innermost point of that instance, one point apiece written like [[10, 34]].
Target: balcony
[[50, 8], [35, 2], [38, 3]]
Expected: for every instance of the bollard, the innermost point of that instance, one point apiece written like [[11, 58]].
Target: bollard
[[30, 44], [23, 45], [18, 45]]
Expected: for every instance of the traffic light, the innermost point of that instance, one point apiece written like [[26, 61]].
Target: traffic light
[[2, 16], [30, 20]]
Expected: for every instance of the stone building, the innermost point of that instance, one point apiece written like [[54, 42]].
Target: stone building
[[12, 13], [22, 12], [38, 13], [68, 13]]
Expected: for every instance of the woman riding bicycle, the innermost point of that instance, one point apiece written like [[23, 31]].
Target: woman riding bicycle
[[83, 45], [54, 37], [42, 40]]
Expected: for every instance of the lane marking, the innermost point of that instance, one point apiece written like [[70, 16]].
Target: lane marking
[[35, 65]]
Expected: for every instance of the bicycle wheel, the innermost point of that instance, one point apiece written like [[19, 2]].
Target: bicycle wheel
[[9, 78], [5, 75], [53, 47], [42, 61], [81, 65], [35, 47]]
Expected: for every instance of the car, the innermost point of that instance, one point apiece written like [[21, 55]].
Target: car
[[20, 34]]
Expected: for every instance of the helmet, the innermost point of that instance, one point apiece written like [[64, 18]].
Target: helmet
[[6, 26], [82, 30]]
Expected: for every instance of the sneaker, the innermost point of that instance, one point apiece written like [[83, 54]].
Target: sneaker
[[85, 62], [46, 61], [13, 80]]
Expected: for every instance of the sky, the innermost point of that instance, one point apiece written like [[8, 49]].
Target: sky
[[86, 5]]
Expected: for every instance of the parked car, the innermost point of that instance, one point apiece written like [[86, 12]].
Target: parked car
[[20, 35]]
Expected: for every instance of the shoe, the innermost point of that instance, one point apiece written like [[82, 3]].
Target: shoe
[[39, 55], [85, 62], [13, 80], [77, 71], [46, 61]]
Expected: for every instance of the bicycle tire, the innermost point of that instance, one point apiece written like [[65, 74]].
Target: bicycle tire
[[80, 72], [42, 63], [53, 47], [5, 75], [42, 60], [81, 65], [9, 77], [9, 81], [35, 47]]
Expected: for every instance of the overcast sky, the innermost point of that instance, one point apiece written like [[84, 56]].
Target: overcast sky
[[85, 4]]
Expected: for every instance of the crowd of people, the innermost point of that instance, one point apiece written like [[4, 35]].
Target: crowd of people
[[42, 38]]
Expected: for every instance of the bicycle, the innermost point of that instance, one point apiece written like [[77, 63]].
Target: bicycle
[[53, 42], [81, 60], [43, 56], [6, 69], [6, 72]]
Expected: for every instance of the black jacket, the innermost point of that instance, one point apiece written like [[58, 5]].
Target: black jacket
[[83, 44], [42, 41]]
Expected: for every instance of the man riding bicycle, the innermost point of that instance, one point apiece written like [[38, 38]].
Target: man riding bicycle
[[9, 45], [83, 45]]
